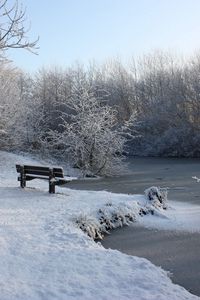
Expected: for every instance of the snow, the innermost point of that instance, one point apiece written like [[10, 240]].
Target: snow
[[178, 217], [44, 255]]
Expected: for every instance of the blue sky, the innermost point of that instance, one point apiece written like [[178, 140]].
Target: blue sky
[[86, 30]]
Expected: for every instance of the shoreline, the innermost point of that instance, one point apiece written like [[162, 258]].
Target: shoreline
[[176, 252]]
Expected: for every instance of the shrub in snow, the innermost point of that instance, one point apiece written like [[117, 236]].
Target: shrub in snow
[[112, 216], [108, 217], [157, 196], [89, 225]]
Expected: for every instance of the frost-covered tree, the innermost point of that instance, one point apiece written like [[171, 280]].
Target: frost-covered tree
[[13, 29], [30, 116], [118, 86], [9, 103], [89, 133], [85, 108], [13, 35], [167, 100]]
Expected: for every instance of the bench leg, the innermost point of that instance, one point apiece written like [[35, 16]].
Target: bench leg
[[51, 182], [51, 187], [22, 179], [23, 183]]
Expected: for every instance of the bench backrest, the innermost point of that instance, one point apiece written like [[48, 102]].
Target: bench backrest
[[40, 170]]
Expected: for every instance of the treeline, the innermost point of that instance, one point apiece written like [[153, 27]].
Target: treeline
[[167, 101], [94, 114]]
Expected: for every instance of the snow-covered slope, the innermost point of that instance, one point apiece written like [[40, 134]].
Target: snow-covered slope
[[45, 256]]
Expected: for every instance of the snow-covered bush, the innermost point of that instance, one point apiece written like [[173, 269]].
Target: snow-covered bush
[[89, 225], [108, 217], [111, 215], [157, 196]]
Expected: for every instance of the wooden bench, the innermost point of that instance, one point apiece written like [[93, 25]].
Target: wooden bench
[[55, 176]]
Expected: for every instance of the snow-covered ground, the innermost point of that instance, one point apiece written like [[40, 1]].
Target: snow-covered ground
[[45, 256], [179, 217]]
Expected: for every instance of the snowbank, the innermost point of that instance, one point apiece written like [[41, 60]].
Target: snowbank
[[178, 217], [45, 256]]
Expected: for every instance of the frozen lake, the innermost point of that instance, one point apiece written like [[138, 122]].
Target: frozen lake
[[177, 252], [144, 172]]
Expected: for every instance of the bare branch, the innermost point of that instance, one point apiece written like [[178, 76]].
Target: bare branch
[[13, 33]]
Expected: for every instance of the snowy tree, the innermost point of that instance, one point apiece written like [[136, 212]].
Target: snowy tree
[[13, 34], [89, 132], [13, 31], [118, 86], [29, 116], [9, 100]]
